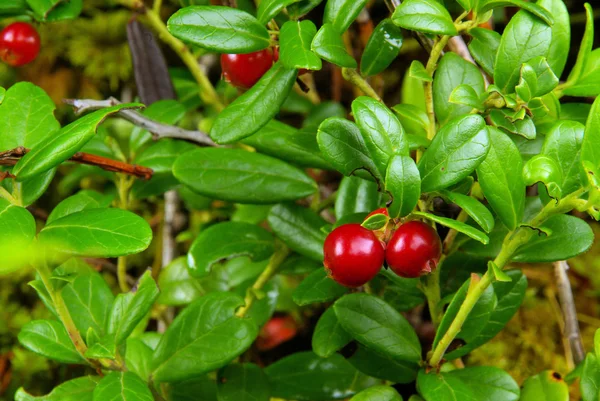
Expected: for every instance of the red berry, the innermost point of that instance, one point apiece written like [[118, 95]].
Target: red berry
[[381, 210], [276, 331], [19, 44], [414, 250], [353, 255], [301, 71], [244, 70]]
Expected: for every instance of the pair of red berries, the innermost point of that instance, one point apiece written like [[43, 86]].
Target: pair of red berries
[[354, 254], [19, 44]]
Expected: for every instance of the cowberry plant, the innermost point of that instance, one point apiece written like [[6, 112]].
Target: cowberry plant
[[198, 235]]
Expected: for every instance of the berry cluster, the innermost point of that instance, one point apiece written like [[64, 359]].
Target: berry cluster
[[354, 254], [19, 44]]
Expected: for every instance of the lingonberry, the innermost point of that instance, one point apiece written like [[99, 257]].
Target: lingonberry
[[19, 44], [353, 255], [381, 210], [244, 70], [414, 249], [275, 332]]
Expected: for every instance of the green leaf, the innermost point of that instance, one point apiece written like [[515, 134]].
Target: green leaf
[[268, 9], [475, 209], [403, 183], [382, 48], [304, 376], [536, 9], [242, 382], [64, 143], [383, 367], [167, 111], [295, 38], [13, 7], [176, 285], [302, 8], [479, 383], [80, 389], [453, 72], [88, 299], [590, 147], [561, 34], [570, 237], [455, 152], [284, 142], [484, 48], [103, 348], [130, 308], [520, 125], [499, 274], [317, 287], [375, 222], [547, 385], [204, 337], [198, 388], [544, 78], [424, 16], [239, 176], [220, 29], [417, 71], [356, 195], [501, 179], [344, 147], [456, 225], [402, 293], [26, 117], [524, 38], [585, 49], [256, 107], [375, 324], [329, 336], [138, 357], [590, 378], [341, 13], [466, 95], [122, 385], [299, 228], [53, 10], [84, 199], [413, 119], [329, 45], [544, 169], [17, 231], [98, 233], [49, 339], [378, 393]]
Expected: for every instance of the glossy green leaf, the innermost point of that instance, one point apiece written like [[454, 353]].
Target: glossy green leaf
[[299, 228], [103, 348], [256, 107], [130, 308], [268, 9], [544, 169], [239, 176], [304, 376], [377, 393], [329, 45], [17, 230], [561, 34], [402, 293], [455, 152], [329, 336], [50, 339], [452, 72], [590, 147], [590, 378], [403, 183], [461, 227], [356, 195], [26, 117], [501, 179], [63, 144], [204, 337], [80, 389], [228, 240], [466, 95], [524, 38], [424, 16], [484, 48], [201, 387], [383, 367], [295, 38], [417, 71], [13, 7], [138, 357], [167, 111], [84, 199], [570, 237], [341, 13], [220, 29], [475, 209], [302, 8], [288, 143], [382, 48], [523, 124], [317, 287], [585, 50], [242, 382], [343, 146], [122, 385], [55, 10], [479, 383], [98, 233], [413, 119], [177, 287], [547, 385], [536, 9], [375, 222], [88, 299], [374, 323]]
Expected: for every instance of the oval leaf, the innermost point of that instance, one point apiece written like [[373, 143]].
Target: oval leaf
[[242, 382], [547, 385], [329, 336], [329, 45], [403, 182], [341, 13], [80, 389], [382, 48], [317, 287], [475, 209], [356, 195], [51, 340], [424, 16], [457, 225], [377, 393], [124, 385], [295, 38]]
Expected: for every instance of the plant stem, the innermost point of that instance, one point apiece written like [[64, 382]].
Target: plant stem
[[278, 257], [436, 52], [123, 185], [430, 285], [352, 76], [452, 233], [6, 195]]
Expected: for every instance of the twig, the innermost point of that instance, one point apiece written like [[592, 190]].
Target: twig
[[158, 130], [565, 296], [168, 243], [11, 157], [352, 76]]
